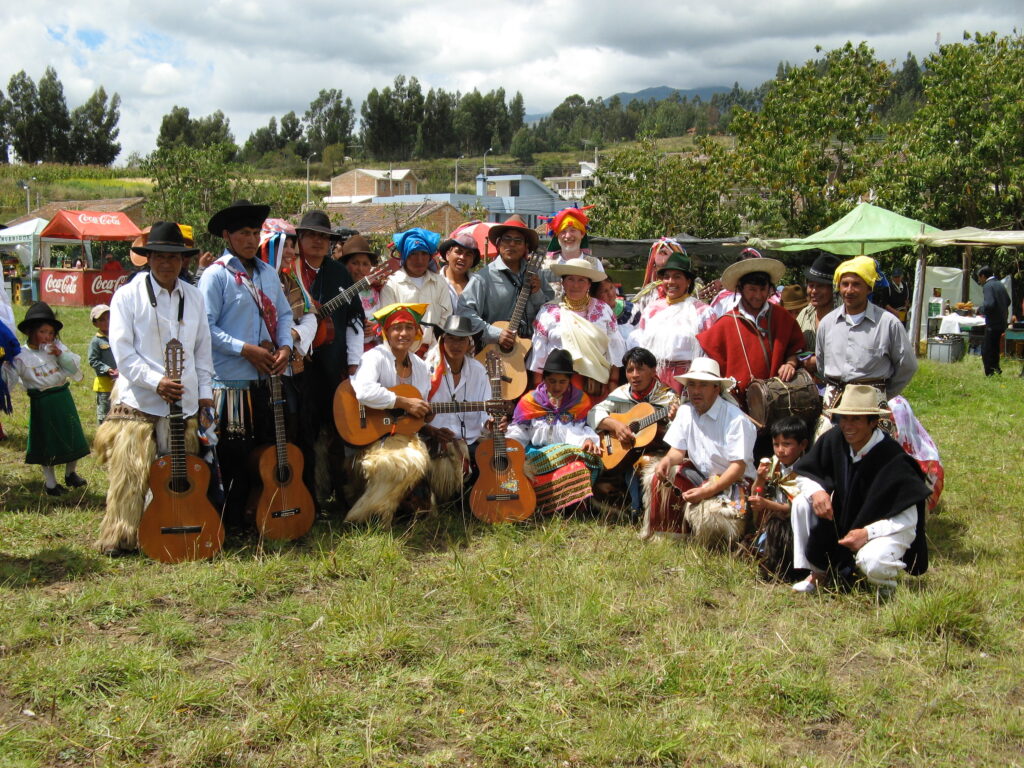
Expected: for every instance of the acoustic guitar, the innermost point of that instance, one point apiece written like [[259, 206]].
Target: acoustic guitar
[[502, 493], [285, 508], [180, 523], [642, 420], [359, 425], [325, 323], [516, 377]]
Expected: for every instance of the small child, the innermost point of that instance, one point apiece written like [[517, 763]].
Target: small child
[[54, 431], [101, 358], [775, 493]]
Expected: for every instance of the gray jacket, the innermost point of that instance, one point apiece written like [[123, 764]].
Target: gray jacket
[[491, 296]]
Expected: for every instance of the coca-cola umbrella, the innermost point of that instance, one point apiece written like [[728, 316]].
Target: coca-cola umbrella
[[91, 225]]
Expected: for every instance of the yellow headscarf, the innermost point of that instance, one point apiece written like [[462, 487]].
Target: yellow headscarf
[[862, 266]]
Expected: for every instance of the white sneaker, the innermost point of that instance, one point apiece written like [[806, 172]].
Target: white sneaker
[[805, 587]]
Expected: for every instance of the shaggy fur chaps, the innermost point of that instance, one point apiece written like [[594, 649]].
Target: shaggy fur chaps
[[391, 468], [447, 473], [712, 523]]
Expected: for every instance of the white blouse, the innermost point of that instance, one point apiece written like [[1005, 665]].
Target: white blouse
[[41, 370]]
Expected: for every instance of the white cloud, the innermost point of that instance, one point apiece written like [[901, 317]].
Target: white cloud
[[253, 59]]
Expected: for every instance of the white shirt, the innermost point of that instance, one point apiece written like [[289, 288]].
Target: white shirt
[[401, 288], [902, 521], [139, 334], [41, 370], [473, 386], [539, 433], [376, 373], [715, 439]]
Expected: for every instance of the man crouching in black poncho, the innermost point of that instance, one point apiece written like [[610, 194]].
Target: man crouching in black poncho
[[868, 510]]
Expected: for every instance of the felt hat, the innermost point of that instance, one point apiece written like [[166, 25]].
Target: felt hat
[[680, 262], [579, 267], [456, 325], [161, 237], [559, 361], [859, 400], [463, 239], [97, 312], [241, 213], [774, 268], [822, 270], [315, 221], [794, 297], [515, 225], [357, 244], [706, 369], [37, 314]]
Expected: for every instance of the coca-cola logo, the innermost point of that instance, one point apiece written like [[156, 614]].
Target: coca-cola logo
[[105, 285], [104, 219], [64, 284]]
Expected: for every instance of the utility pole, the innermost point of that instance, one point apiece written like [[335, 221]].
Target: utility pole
[[308, 158]]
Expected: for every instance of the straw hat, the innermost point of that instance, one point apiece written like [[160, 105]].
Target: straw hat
[[706, 369], [579, 267], [730, 277], [859, 400]]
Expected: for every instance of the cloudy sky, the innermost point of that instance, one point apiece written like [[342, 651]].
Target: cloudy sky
[[255, 59]]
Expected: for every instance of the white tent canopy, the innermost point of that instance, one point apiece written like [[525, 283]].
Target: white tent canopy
[[978, 238]]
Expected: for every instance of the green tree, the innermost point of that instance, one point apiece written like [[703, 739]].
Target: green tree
[[5, 128], [28, 134], [94, 129], [55, 118], [329, 120], [175, 129], [523, 146], [516, 113], [291, 128]]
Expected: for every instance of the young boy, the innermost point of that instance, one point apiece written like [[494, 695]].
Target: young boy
[[101, 358], [776, 490]]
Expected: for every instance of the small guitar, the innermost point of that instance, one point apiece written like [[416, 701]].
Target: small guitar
[[642, 420], [180, 523], [514, 361], [359, 425], [502, 493], [285, 509], [325, 323]]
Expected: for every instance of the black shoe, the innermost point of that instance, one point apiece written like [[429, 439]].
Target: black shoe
[[57, 490], [75, 480]]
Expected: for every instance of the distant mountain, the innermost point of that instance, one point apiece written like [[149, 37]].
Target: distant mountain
[[658, 93], [662, 92]]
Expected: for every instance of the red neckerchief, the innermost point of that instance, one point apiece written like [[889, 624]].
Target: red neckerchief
[[643, 397]]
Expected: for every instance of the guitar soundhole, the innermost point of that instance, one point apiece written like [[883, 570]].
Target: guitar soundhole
[[180, 485], [634, 427], [499, 463], [284, 475]]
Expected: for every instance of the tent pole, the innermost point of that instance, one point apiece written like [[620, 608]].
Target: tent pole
[[917, 305], [965, 281]]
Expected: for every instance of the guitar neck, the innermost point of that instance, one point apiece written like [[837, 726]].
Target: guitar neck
[[344, 297], [176, 438], [280, 439], [456, 406], [646, 421], [519, 310]]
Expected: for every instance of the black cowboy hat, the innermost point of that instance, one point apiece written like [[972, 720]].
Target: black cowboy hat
[[38, 314], [559, 361], [514, 224], [823, 269], [456, 325], [240, 213], [165, 237], [357, 244], [316, 221]]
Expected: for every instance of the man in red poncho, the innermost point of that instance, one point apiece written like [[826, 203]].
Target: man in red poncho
[[756, 339]]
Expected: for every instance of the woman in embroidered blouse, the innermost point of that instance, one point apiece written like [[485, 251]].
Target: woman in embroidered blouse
[[669, 324], [394, 466], [562, 453], [582, 325]]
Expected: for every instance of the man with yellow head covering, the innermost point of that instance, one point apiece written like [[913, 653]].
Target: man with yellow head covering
[[859, 342], [395, 465]]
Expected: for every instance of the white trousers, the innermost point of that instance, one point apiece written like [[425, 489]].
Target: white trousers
[[880, 560]]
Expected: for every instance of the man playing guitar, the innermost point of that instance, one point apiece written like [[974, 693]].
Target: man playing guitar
[[145, 315]]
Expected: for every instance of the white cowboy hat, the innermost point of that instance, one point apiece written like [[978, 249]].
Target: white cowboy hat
[[706, 369], [775, 269], [859, 400], [579, 267]]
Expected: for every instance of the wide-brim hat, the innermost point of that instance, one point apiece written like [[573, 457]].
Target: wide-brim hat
[[138, 256], [680, 262], [823, 269], [774, 268], [794, 297], [559, 361], [316, 221], [355, 245], [241, 213], [463, 240], [38, 313], [163, 237], [859, 400], [456, 325], [706, 369], [514, 224], [580, 267]]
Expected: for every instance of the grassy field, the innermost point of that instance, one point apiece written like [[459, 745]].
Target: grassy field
[[446, 642]]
